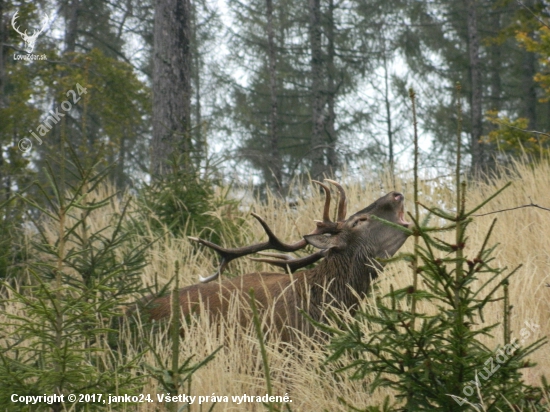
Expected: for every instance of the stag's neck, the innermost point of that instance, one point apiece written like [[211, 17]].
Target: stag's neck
[[345, 278]]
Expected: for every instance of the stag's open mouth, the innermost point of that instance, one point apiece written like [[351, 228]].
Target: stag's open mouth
[[401, 216]]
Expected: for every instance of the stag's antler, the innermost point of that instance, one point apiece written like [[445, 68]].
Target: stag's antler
[[343, 203], [227, 255], [292, 264], [284, 261]]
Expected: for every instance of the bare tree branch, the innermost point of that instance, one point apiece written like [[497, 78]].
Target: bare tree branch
[[514, 208]]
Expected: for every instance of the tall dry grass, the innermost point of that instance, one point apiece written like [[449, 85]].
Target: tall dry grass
[[523, 235]]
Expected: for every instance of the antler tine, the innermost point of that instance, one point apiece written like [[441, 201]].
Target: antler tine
[[215, 275], [288, 262], [281, 256], [227, 255], [274, 242], [326, 210], [343, 203]]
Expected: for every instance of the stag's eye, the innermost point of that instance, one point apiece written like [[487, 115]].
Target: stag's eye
[[362, 219]]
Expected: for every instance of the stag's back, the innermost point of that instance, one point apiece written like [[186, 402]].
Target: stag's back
[[279, 296]]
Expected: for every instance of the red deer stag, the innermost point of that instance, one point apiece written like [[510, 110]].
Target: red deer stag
[[349, 249]]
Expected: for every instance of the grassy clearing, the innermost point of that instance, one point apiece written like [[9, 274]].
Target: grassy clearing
[[523, 236]]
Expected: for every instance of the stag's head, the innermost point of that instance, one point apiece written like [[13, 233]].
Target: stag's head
[[361, 235], [357, 239], [30, 40]]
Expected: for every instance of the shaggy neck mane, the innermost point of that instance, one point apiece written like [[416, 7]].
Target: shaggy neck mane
[[342, 275]]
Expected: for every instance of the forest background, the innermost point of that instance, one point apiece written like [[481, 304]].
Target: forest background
[[157, 119], [271, 91]]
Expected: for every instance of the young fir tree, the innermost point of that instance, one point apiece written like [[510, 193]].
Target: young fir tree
[[437, 360], [62, 338]]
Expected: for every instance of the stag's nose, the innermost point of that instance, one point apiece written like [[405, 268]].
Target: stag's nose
[[398, 197]]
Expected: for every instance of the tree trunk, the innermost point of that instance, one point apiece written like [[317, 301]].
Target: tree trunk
[[275, 156], [529, 86], [71, 26], [332, 155], [171, 84], [529, 71], [3, 49], [476, 147], [121, 163], [495, 87], [317, 146], [496, 68], [200, 140], [4, 191], [389, 125]]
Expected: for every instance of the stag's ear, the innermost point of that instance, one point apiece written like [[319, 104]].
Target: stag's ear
[[324, 241]]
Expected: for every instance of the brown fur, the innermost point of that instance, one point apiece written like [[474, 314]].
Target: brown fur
[[340, 279]]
